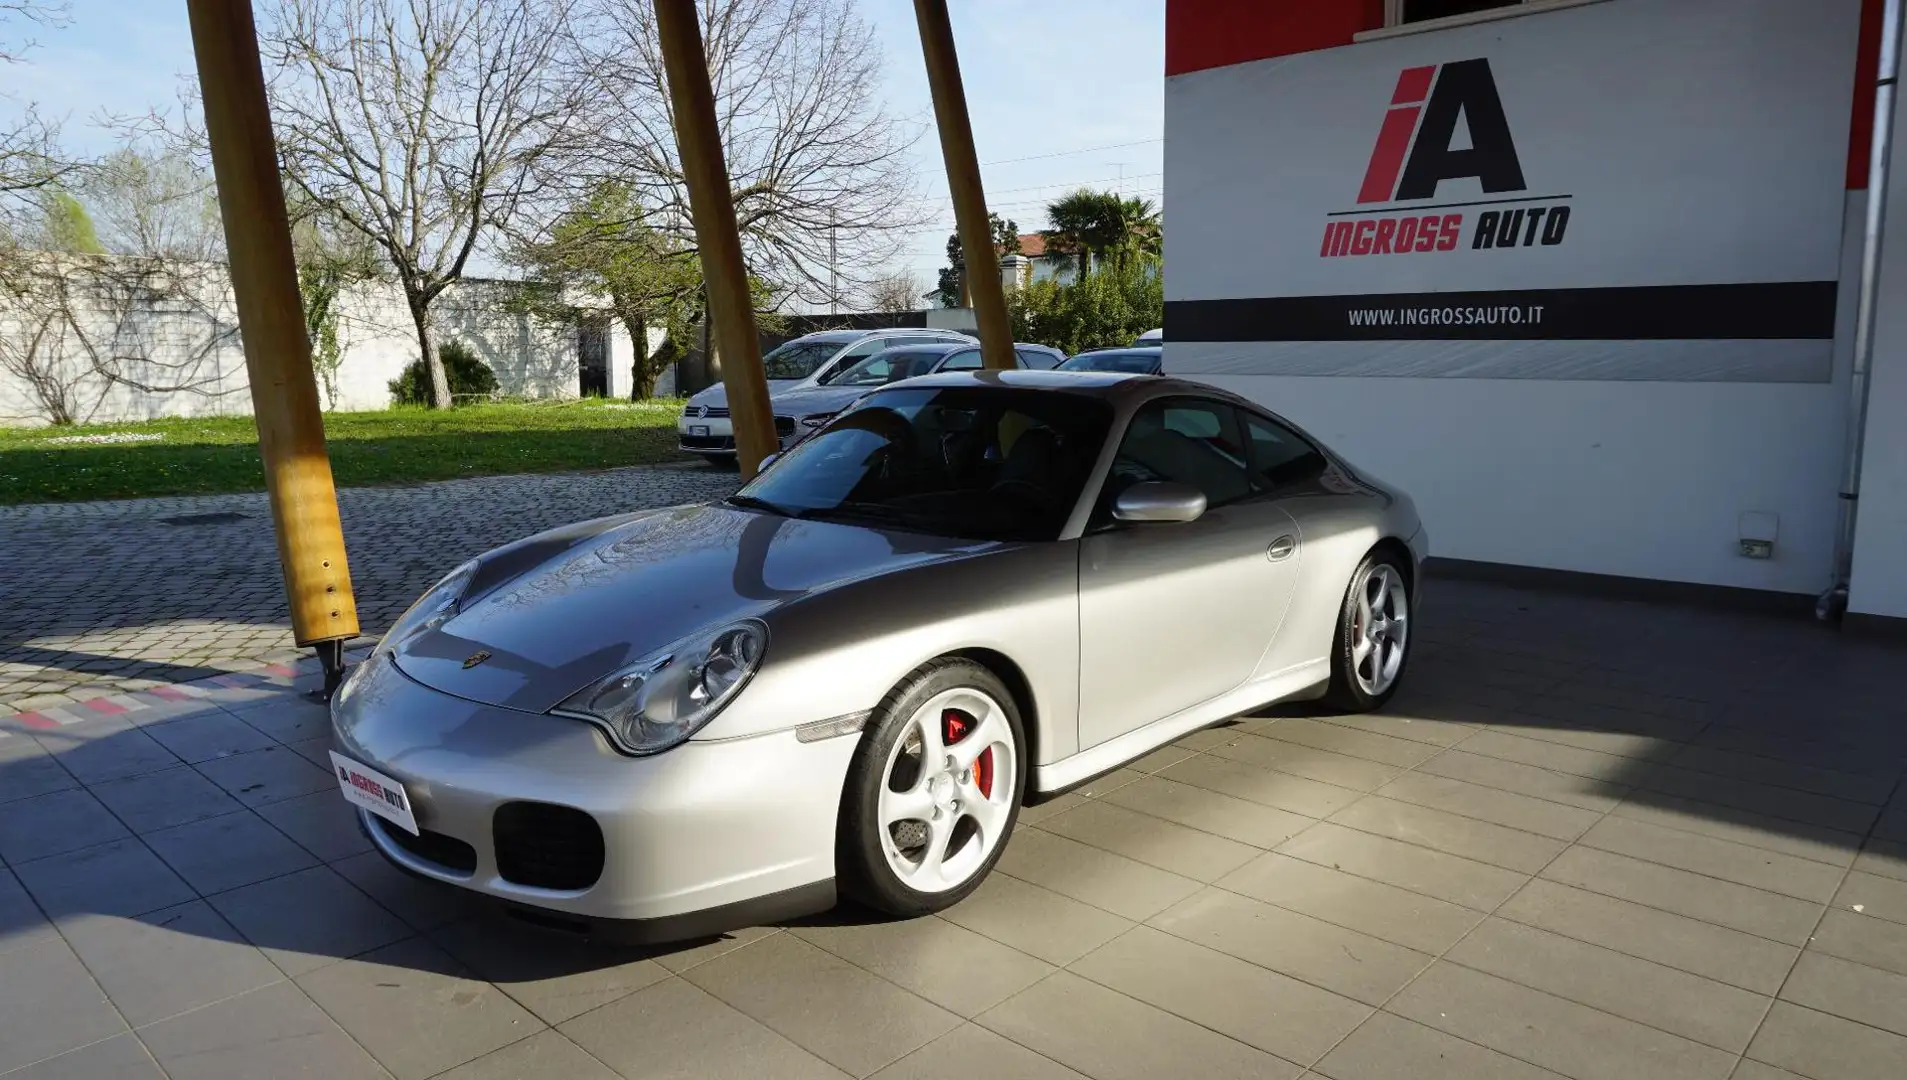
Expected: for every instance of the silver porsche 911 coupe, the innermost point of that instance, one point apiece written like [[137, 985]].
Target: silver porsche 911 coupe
[[967, 592]]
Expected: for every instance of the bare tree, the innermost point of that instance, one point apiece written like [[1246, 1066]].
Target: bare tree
[[812, 153], [30, 158], [893, 293], [422, 124], [154, 203]]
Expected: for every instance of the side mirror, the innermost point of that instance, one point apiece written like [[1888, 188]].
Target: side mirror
[[1159, 502]]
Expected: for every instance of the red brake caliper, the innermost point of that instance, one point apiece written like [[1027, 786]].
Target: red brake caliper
[[955, 725]]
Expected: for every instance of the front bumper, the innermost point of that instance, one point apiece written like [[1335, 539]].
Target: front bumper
[[692, 839], [719, 438], [705, 434]]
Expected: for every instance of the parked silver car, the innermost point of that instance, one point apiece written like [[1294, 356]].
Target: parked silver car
[[967, 592], [805, 362], [1133, 360], [802, 410]]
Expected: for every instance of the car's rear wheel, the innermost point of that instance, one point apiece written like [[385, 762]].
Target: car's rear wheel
[[1372, 642], [934, 790]]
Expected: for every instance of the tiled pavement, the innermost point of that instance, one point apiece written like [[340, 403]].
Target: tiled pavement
[[105, 597], [1596, 840]]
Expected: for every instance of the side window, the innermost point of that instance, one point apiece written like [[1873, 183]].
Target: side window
[[1034, 359], [1279, 457], [1186, 441], [851, 356], [964, 360]]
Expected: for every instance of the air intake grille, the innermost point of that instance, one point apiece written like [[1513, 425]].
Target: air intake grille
[[545, 846]]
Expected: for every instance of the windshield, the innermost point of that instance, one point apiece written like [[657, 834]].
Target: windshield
[[854, 355], [974, 463], [798, 359], [1137, 363], [885, 368]]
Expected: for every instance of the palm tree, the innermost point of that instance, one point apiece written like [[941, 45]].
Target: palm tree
[[1097, 225], [1144, 232], [1074, 218]]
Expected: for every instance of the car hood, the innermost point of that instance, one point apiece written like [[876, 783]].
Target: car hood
[[819, 400], [578, 604], [718, 393]]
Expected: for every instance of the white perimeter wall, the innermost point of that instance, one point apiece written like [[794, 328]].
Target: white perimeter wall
[[198, 349], [379, 339], [1638, 479]]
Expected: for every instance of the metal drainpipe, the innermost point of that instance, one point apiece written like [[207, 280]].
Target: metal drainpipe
[[1832, 603]]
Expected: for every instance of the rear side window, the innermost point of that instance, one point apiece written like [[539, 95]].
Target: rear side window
[[1280, 457], [1037, 359], [1187, 441], [964, 360]]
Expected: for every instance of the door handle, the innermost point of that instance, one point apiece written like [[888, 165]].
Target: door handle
[[1282, 547]]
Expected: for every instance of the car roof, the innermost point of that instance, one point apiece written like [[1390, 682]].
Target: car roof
[[1017, 345], [925, 348], [1148, 350], [912, 331], [845, 336], [1106, 384]]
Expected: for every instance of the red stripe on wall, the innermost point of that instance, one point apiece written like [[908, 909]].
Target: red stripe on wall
[[1867, 60], [1202, 34], [1387, 160], [1413, 85]]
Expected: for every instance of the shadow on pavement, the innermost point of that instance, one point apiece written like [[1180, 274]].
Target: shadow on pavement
[[218, 819]]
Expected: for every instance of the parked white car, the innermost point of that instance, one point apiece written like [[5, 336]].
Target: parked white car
[[807, 361]]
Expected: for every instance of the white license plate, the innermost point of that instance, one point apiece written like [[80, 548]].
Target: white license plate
[[366, 787], [698, 429]]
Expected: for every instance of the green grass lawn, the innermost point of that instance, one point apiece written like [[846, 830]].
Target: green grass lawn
[[216, 454]]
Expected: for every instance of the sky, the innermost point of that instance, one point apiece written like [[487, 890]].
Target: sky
[[1061, 93]]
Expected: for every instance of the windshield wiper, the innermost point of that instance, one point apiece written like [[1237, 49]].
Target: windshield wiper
[[751, 502]]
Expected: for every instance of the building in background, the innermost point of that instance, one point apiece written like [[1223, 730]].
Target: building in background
[[1581, 275], [124, 339]]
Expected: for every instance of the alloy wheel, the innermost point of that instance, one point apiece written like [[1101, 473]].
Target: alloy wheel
[[1380, 629], [947, 792]]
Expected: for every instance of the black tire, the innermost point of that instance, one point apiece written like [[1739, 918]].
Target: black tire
[[1346, 693], [861, 864]]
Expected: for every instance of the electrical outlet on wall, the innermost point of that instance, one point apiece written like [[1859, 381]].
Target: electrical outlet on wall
[[1758, 531]]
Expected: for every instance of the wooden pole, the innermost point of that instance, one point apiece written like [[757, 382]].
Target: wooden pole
[[304, 506], [982, 276], [731, 309]]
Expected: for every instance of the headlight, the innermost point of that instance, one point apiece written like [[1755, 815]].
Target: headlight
[[659, 701], [432, 609]]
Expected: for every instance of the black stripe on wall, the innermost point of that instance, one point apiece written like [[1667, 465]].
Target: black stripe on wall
[[1764, 310]]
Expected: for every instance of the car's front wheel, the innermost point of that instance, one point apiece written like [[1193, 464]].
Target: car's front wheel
[[1373, 635], [934, 790]]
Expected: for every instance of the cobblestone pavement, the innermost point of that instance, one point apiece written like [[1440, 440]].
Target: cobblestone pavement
[[1593, 840], [106, 597]]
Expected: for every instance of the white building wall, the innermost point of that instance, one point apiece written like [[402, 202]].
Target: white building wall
[[1879, 585], [1634, 458], [197, 352], [1635, 479]]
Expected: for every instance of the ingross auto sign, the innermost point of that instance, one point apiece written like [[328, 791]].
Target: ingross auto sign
[[1417, 151], [1632, 189]]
